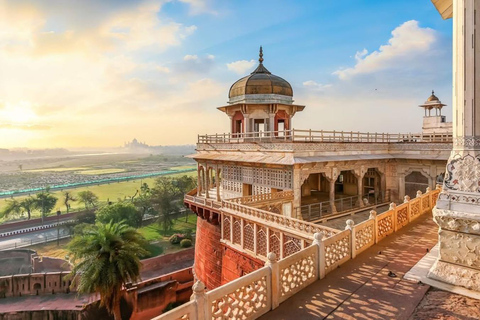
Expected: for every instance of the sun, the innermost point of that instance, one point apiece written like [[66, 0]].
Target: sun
[[19, 113]]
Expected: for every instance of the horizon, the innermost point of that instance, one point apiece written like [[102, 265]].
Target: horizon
[[81, 75]]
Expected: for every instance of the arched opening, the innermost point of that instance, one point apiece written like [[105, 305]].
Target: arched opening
[[373, 190], [415, 181]]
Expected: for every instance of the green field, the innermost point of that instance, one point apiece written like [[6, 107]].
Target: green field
[[101, 171], [60, 169], [105, 192]]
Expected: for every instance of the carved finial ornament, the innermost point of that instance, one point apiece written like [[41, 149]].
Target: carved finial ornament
[[260, 59]]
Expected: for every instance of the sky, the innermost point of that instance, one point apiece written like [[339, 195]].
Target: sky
[[84, 73]]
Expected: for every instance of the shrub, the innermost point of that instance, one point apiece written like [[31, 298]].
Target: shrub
[[176, 238], [186, 243]]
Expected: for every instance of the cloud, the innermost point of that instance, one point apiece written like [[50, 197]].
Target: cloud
[[315, 85], [193, 64], [17, 126], [199, 7], [241, 66], [408, 41]]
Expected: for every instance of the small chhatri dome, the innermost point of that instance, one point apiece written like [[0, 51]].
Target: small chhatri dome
[[261, 81], [433, 98]]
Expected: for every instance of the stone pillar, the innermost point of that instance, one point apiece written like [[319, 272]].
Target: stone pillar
[[199, 183], [332, 195], [359, 174], [458, 211], [206, 181], [217, 182], [271, 122], [297, 192]]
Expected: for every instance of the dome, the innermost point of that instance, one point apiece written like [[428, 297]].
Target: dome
[[433, 98], [261, 81]]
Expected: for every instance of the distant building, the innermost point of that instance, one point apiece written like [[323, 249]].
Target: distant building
[[435, 123]]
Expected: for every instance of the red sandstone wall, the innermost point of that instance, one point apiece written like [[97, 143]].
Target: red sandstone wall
[[167, 259], [208, 254], [235, 264]]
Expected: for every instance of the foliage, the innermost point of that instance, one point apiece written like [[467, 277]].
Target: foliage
[[81, 228], [120, 211], [67, 198], [144, 201], [154, 250], [28, 205], [88, 198], [176, 238], [186, 243], [166, 195], [105, 258], [12, 207], [45, 201], [85, 217]]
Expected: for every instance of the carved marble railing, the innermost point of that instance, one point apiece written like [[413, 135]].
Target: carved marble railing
[[209, 203], [186, 311], [256, 293], [282, 195], [297, 135]]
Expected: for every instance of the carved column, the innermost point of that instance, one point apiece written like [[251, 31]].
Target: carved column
[[458, 208], [199, 183], [332, 178], [217, 182], [206, 182], [359, 174]]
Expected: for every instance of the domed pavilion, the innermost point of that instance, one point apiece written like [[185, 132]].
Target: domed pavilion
[[260, 102]]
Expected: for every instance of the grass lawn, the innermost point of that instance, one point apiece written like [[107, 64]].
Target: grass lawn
[[155, 232], [105, 192], [101, 171], [184, 167], [60, 169], [51, 249]]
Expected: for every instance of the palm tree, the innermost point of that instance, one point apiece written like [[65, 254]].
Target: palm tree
[[67, 197], [106, 257], [28, 204], [45, 201], [12, 207]]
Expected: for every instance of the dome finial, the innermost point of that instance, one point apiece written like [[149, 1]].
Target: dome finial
[[260, 59], [433, 92]]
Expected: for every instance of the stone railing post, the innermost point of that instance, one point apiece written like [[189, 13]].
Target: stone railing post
[[373, 216], [202, 310], [393, 207], [350, 226], [272, 263], [317, 241], [321, 255], [406, 199], [419, 194]]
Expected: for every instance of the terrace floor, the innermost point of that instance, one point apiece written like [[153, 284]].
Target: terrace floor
[[362, 288]]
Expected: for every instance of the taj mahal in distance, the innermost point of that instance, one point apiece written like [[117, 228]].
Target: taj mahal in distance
[[282, 210]]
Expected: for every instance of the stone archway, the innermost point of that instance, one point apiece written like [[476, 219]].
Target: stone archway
[[414, 181]]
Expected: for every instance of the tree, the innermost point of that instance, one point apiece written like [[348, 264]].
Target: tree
[[45, 201], [67, 197], [28, 204], [164, 196], [143, 202], [120, 211], [12, 207], [105, 258], [186, 184], [88, 198]]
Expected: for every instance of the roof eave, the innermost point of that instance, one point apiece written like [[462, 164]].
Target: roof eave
[[444, 7]]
